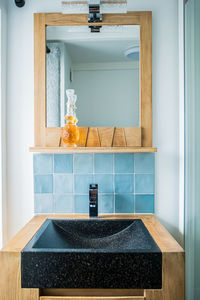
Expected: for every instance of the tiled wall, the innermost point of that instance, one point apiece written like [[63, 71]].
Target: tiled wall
[[126, 182]]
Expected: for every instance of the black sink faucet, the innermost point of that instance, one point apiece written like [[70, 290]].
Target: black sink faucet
[[93, 200]]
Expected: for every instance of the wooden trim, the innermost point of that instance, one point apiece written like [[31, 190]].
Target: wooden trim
[[146, 79], [173, 273], [93, 149], [98, 137], [83, 135], [40, 78], [106, 136], [92, 298], [144, 19], [93, 137], [10, 279], [130, 18], [162, 237], [133, 136]]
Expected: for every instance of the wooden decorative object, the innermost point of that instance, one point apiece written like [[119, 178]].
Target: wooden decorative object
[[83, 134], [52, 138], [98, 137], [106, 136], [119, 138], [93, 137], [47, 137], [133, 136]]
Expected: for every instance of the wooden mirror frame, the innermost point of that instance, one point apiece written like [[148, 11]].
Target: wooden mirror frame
[[48, 136]]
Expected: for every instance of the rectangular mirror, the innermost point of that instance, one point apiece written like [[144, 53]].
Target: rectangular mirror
[[102, 67], [111, 72]]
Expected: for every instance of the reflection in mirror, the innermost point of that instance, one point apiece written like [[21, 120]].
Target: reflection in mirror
[[103, 68]]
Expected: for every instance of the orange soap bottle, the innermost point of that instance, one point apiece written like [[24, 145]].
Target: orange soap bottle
[[71, 132]]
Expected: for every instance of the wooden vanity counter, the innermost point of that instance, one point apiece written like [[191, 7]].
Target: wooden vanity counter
[[173, 257]]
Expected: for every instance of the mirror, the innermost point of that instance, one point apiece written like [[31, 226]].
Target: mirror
[[102, 67]]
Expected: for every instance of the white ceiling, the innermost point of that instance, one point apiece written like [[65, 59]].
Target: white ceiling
[[98, 51], [86, 47]]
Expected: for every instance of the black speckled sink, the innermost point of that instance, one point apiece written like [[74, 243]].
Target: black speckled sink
[[92, 254]]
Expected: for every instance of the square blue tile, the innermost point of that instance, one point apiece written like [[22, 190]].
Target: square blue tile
[[144, 204], [83, 163], [124, 183], [103, 163], [105, 182], [145, 163], [82, 182], [144, 184], [124, 163], [106, 204], [42, 163], [81, 204], [63, 183], [43, 184], [63, 163], [43, 203], [124, 203], [63, 203]]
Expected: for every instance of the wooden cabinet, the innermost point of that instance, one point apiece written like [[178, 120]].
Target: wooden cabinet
[[173, 267]]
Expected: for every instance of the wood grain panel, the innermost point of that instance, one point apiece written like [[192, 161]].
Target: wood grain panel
[[10, 279], [119, 137], [106, 136], [83, 133], [39, 78], [100, 137], [133, 136], [92, 149], [146, 79], [173, 279], [53, 137], [93, 137], [58, 19]]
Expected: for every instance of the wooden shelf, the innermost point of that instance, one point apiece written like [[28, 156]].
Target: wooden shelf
[[93, 149]]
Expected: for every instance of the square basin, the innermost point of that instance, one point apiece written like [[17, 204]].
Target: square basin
[[92, 254]]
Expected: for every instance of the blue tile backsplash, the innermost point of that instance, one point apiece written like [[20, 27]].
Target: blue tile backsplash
[[63, 163], [126, 182], [124, 163], [43, 184]]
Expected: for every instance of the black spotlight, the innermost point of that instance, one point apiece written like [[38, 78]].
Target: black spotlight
[[20, 3]]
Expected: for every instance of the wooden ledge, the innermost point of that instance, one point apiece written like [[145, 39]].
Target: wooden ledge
[[93, 149], [162, 237]]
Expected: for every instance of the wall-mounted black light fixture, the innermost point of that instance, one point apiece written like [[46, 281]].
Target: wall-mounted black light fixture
[[94, 15], [20, 3]]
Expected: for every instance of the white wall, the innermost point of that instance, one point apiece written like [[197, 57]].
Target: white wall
[[101, 90], [20, 108], [3, 48], [165, 107]]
